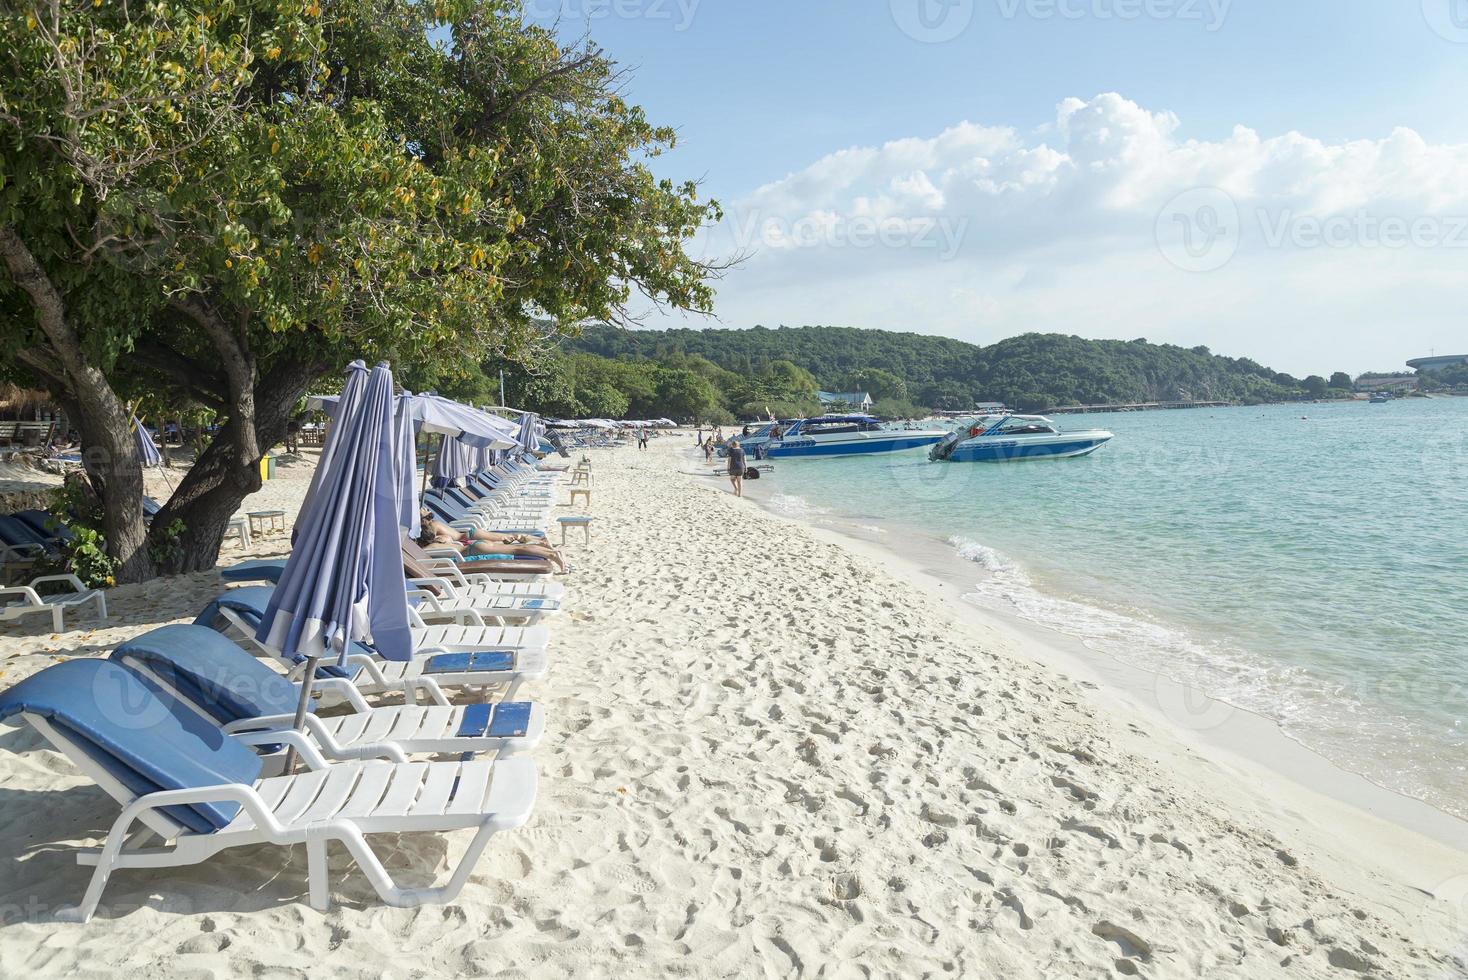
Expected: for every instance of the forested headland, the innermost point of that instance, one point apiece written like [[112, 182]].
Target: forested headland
[[721, 375]]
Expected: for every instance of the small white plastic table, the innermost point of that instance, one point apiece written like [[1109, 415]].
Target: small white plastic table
[[582, 522], [276, 519]]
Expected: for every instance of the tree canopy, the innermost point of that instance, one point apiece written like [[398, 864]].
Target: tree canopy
[[229, 199]]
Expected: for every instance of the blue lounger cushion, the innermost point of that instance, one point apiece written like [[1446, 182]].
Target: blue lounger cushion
[[145, 739], [44, 525], [511, 720], [254, 570], [211, 671], [483, 661], [249, 604], [17, 533]]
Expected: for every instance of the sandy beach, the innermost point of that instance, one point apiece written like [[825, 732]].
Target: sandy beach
[[772, 751]]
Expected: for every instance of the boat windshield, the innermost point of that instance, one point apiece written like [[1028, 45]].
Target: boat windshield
[[1024, 427], [839, 425]]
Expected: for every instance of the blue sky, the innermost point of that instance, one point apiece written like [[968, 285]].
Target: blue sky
[[763, 92]]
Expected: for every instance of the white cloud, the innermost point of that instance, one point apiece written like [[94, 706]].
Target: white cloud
[[981, 232]]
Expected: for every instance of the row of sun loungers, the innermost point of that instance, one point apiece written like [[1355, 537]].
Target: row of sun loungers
[[189, 726]]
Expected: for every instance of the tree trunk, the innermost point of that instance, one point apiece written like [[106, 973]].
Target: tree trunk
[[111, 460], [219, 480], [108, 451]]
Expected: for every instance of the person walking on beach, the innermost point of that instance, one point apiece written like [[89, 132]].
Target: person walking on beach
[[708, 449], [736, 467]]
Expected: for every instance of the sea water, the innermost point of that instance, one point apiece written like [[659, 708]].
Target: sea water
[[1306, 562]]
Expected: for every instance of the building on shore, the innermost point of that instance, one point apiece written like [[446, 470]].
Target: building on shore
[[1387, 382]]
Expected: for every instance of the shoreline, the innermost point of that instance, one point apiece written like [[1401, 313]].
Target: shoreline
[[770, 750], [1253, 749]]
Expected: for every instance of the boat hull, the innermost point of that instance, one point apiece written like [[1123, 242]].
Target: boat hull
[[810, 447], [1010, 450]]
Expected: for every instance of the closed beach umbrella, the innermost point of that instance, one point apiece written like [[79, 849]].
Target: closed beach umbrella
[[527, 435], [344, 579], [405, 462], [147, 452], [454, 462]]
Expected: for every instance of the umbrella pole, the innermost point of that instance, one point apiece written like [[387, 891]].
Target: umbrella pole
[[299, 724], [424, 488]]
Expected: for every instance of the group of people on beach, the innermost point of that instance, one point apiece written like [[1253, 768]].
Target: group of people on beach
[[735, 454]]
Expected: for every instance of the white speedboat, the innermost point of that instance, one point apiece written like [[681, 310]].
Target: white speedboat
[[846, 435], [1003, 438]]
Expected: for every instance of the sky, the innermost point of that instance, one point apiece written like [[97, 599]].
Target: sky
[[1280, 179]]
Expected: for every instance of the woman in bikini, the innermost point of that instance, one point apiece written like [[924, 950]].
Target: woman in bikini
[[437, 534]]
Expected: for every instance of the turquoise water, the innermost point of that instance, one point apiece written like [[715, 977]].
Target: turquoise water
[[1313, 569]]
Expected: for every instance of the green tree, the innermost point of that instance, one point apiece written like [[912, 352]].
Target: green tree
[[683, 394], [1342, 380], [600, 401], [881, 385], [231, 198], [896, 408], [1314, 386]]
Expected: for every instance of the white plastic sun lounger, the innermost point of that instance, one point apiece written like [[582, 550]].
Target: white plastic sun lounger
[[237, 692], [24, 600], [480, 608], [199, 792], [447, 656]]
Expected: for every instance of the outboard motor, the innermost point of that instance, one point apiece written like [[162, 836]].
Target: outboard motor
[[944, 447]]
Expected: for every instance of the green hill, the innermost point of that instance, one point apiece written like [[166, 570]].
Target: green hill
[[1031, 371]]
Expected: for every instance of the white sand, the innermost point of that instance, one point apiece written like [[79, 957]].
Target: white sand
[[768, 755]]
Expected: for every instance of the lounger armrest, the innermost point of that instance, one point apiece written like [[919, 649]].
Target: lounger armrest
[[426, 598], [280, 726], [449, 571], [291, 738], [32, 597], [343, 689], [239, 793], [368, 665], [71, 580], [448, 589]]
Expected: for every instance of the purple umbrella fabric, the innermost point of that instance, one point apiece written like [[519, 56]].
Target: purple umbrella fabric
[[344, 579], [147, 452], [528, 438], [454, 463]]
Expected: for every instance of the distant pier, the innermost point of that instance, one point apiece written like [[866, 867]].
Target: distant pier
[[1133, 407]]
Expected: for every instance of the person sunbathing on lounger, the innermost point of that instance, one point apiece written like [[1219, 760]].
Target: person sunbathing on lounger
[[437, 534]]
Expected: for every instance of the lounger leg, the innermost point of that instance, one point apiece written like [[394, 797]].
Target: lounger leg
[[116, 837], [412, 897], [316, 869], [58, 622], [101, 607]]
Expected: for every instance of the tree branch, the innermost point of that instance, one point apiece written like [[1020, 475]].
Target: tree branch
[[239, 369], [197, 381]]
